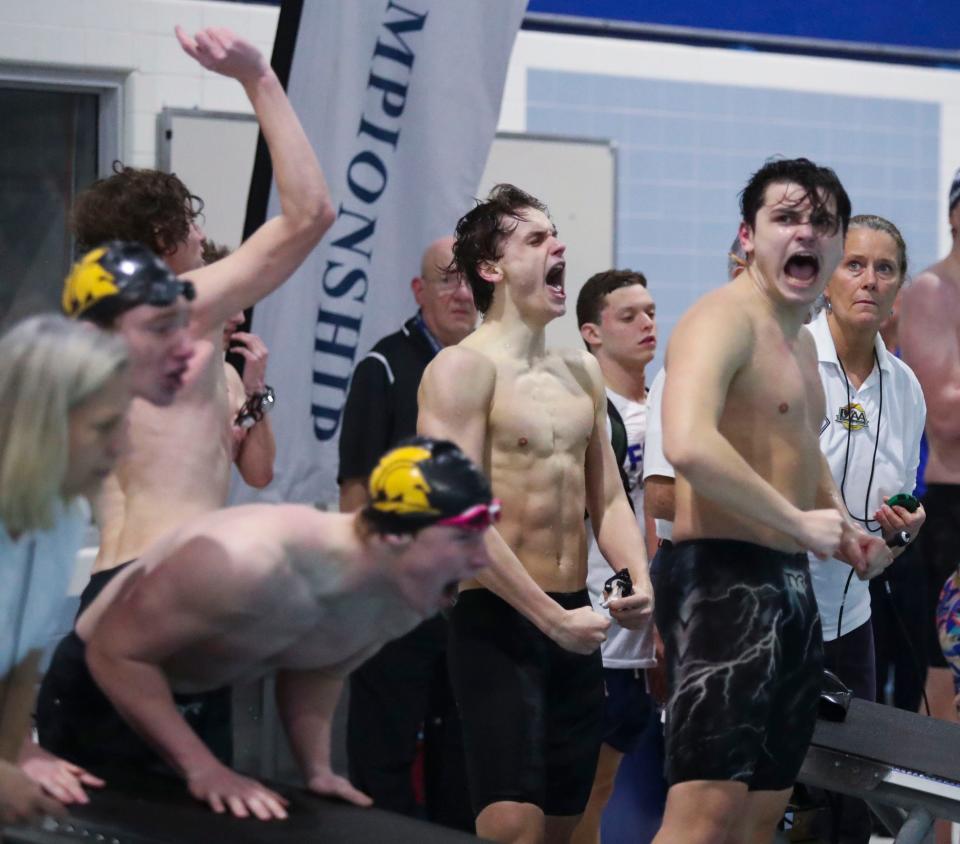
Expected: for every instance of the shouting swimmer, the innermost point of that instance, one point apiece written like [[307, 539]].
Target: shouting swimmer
[[236, 594]]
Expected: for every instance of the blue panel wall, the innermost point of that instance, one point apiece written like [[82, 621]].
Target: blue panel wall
[[687, 149]]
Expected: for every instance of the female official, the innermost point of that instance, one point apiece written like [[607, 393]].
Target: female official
[[65, 395], [870, 434]]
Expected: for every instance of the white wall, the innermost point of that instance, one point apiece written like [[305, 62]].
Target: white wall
[[135, 39]]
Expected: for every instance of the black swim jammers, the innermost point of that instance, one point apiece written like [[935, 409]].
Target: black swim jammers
[[77, 722], [744, 658], [531, 711]]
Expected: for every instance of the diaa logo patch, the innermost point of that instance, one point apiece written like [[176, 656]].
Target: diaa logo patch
[[853, 417]]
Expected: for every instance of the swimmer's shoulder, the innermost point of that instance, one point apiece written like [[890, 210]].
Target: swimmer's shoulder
[[726, 316], [585, 369], [239, 542], [733, 301], [936, 286], [460, 368]]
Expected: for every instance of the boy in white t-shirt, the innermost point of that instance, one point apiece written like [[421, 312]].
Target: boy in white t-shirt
[[616, 315]]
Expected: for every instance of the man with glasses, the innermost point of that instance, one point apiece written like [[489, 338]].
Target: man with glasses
[[404, 688]]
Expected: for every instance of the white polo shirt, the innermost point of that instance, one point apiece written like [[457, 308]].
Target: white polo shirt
[[856, 419], [35, 571], [623, 648], [654, 461]]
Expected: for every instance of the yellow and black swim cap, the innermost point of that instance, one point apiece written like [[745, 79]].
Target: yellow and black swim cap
[[422, 482], [118, 276]]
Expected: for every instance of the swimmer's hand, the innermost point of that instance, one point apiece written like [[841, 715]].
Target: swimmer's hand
[[632, 612], [581, 630], [876, 556], [57, 777], [255, 354], [21, 799], [219, 50], [223, 789], [867, 553], [820, 531], [329, 784]]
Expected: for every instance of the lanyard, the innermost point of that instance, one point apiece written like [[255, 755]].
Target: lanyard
[[865, 520], [422, 326]]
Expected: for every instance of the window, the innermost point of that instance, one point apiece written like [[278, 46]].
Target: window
[[53, 144]]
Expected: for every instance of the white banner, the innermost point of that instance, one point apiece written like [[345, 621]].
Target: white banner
[[401, 102]]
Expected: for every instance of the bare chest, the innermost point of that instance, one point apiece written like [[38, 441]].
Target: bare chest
[[777, 392], [193, 434], [541, 412]]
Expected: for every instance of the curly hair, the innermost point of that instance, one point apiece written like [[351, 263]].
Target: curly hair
[[146, 206], [481, 232]]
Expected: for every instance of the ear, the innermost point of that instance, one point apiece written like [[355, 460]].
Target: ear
[[490, 271], [826, 291], [163, 249], [590, 333], [745, 233], [397, 541], [417, 285]]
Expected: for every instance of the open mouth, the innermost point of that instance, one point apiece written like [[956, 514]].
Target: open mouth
[[449, 594], [555, 278], [175, 377], [802, 266]]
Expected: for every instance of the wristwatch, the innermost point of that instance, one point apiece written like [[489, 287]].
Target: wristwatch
[[268, 398], [255, 407]]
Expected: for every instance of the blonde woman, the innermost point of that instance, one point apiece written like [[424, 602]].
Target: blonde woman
[[65, 395], [870, 435]]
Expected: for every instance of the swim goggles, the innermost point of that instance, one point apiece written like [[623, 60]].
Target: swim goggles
[[478, 518]]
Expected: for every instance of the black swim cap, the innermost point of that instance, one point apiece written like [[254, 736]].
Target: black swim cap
[[421, 482], [118, 276]]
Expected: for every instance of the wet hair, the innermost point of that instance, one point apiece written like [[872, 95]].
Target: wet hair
[[881, 224], [818, 183], [134, 204], [593, 295], [481, 232], [48, 365]]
